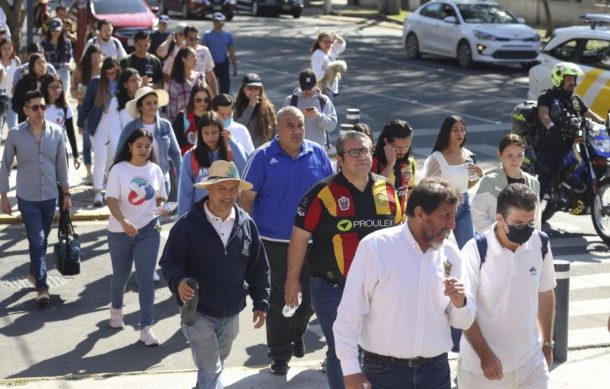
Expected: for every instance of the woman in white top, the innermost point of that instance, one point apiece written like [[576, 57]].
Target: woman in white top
[[127, 85], [325, 50], [451, 161], [10, 62], [135, 193]]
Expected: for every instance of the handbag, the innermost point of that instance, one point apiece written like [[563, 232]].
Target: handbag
[[67, 249]]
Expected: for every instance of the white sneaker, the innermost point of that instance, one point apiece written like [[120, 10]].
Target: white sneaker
[[148, 337], [156, 277], [98, 200], [116, 318]]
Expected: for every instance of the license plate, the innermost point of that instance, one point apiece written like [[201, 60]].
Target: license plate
[[217, 7], [130, 42]]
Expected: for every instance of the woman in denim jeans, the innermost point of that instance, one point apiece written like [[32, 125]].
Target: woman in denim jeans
[[451, 161], [135, 195], [144, 108]]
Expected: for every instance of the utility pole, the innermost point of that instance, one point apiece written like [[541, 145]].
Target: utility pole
[[30, 17]]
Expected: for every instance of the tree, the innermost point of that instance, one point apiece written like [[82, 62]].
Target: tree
[[547, 17], [15, 15], [388, 7]]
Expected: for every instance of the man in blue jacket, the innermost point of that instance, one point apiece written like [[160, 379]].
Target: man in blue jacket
[[217, 244]]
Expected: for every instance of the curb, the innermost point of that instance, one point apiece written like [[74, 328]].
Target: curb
[[80, 215]]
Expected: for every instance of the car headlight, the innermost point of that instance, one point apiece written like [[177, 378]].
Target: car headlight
[[537, 37], [483, 35]]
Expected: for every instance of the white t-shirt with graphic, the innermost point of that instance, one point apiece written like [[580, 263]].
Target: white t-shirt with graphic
[[137, 188], [55, 114]]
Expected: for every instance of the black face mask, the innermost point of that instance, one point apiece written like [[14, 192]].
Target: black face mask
[[519, 235]]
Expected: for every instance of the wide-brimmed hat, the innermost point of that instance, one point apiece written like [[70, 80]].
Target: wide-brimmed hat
[[220, 171], [132, 105]]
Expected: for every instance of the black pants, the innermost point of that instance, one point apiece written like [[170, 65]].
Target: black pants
[[549, 163], [283, 331], [221, 70]]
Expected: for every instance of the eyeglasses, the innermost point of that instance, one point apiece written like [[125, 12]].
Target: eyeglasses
[[200, 100], [531, 224], [355, 153], [36, 107]]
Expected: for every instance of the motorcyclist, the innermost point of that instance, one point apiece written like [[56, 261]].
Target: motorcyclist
[[552, 106]]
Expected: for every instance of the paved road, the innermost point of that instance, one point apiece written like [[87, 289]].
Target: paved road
[[71, 336]]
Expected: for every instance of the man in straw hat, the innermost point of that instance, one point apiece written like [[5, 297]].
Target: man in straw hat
[[217, 244]]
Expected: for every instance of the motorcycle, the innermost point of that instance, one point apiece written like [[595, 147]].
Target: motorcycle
[[582, 183]]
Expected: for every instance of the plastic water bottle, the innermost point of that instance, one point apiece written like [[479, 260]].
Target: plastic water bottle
[[170, 207], [288, 310]]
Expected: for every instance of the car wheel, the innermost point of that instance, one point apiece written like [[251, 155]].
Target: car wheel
[[412, 47], [296, 13], [256, 9], [184, 13], [464, 54]]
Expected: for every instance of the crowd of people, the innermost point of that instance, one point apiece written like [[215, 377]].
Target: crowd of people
[[265, 213]]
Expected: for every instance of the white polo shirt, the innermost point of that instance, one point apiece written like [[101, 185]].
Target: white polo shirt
[[505, 292], [393, 303]]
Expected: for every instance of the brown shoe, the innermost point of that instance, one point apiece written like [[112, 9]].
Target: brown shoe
[[43, 297]]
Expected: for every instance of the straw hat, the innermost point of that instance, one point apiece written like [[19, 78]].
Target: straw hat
[[132, 105], [220, 171]]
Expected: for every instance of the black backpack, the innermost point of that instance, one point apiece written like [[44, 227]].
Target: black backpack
[[294, 100]]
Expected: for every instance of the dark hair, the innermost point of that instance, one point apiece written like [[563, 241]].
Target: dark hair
[[518, 196], [393, 129], [141, 35], [316, 44], [222, 100], [442, 139], [190, 28], [348, 135], [511, 139], [103, 90], [365, 129], [102, 22], [3, 42], [62, 41], [141, 99], [123, 153], [32, 76], [121, 92], [34, 48], [85, 63], [32, 94], [431, 193], [178, 74], [201, 150], [47, 80], [60, 8], [264, 112], [199, 87]]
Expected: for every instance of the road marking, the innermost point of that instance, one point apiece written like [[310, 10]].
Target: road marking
[[590, 281], [590, 307], [588, 337]]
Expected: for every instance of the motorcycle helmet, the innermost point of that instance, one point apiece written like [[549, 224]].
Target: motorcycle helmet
[[562, 69]]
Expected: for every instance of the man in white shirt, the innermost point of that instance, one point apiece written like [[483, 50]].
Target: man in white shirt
[[205, 63], [223, 106], [402, 294], [511, 280], [111, 46]]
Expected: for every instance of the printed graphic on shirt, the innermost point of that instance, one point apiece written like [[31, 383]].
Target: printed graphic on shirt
[[140, 190]]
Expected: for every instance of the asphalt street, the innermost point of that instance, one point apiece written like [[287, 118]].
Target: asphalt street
[[71, 336]]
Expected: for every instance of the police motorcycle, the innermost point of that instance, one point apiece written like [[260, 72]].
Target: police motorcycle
[[582, 184]]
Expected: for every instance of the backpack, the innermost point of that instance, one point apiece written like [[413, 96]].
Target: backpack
[[482, 246], [294, 100]]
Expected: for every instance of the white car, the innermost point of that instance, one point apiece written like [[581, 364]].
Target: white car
[[587, 46], [470, 31]]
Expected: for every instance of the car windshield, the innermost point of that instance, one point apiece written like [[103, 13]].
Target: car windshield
[[486, 13], [105, 7]]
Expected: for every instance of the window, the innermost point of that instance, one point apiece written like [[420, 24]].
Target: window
[[565, 51], [486, 13], [431, 11], [447, 11], [104, 7], [596, 54]]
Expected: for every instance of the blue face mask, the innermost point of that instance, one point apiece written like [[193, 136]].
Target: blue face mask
[[227, 122]]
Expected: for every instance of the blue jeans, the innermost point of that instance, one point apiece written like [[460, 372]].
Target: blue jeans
[[325, 299], [87, 148], [38, 217], [211, 339], [143, 250], [385, 375]]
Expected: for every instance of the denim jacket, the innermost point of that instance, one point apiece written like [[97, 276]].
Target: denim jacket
[[89, 114], [166, 142]]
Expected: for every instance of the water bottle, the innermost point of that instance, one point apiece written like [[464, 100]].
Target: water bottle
[[472, 175], [189, 309], [288, 310], [170, 207]]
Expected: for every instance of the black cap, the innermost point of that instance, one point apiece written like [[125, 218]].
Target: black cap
[[252, 79], [55, 24], [307, 79], [34, 48]]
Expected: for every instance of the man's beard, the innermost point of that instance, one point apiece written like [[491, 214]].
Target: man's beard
[[435, 243]]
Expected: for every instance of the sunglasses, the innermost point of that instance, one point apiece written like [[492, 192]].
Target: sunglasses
[[200, 100], [36, 107]]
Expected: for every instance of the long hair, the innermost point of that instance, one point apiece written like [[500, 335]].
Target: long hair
[[32, 76], [5, 41], [316, 44], [201, 151], [264, 112], [393, 129], [61, 44], [178, 74], [103, 91], [85, 63], [442, 139], [47, 80], [198, 87], [124, 155], [121, 92]]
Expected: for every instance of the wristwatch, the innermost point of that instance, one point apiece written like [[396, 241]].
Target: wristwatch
[[550, 344]]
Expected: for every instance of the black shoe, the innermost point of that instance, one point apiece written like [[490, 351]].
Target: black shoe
[[298, 349], [189, 309], [279, 367]]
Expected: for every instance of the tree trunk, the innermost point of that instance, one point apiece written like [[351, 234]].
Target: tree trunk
[[388, 7], [547, 18], [328, 7], [15, 16]]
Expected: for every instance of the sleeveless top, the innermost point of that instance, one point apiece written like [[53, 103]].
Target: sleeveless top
[[456, 175]]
